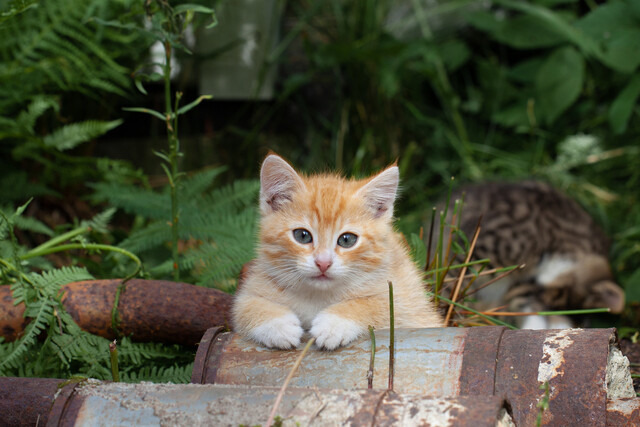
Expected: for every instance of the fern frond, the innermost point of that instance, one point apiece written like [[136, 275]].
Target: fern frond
[[49, 282], [173, 374], [70, 136], [152, 236], [196, 184], [238, 195], [26, 223], [41, 314], [134, 353], [133, 200], [233, 225], [38, 105], [221, 263], [100, 222]]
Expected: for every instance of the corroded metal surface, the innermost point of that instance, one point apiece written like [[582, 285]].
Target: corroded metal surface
[[202, 355], [572, 361], [479, 360], [12, 321], [149, 310], [217, 405], [26, 401], [623, 412], [446, 362], [427, 361]]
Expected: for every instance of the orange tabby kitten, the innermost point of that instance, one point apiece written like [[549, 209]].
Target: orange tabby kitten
[[327, 250]]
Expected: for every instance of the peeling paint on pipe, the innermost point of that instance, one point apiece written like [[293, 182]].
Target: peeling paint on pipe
[[443, 362], [623, 412], [219, 405], [53, 402], [150, 310]]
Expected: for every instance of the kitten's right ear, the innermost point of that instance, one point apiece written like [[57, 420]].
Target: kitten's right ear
[[278, 182]]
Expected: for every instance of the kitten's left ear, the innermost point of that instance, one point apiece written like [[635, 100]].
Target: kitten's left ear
[[380, 192]]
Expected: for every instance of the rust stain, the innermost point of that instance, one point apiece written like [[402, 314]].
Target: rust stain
[[202, 355], [26, 401], [479, 360], [573, 362], [12, 321]]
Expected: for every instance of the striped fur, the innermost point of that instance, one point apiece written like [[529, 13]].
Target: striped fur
[[286, 293], [563, 249]]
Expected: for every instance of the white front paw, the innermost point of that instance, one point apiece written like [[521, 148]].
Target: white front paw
[[332, 331], [282, 332]]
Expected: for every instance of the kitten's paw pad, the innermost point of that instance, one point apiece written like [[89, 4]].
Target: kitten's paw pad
[[282, 332], [331, 331]]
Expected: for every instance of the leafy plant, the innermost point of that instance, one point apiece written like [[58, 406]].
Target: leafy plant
[[66, 349]]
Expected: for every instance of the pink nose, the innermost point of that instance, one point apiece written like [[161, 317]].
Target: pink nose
[[323, 264]]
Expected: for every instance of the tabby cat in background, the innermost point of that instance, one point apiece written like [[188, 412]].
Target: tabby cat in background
[[564, 251], [326, 253]]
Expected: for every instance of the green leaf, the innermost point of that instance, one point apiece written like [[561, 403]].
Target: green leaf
[[70, 136], [632, 292], [559, 82], [154, 113], [193, 104], [189, 7], [556, 23], [614, 26], [623, 105], [527, 31], [418, 250]]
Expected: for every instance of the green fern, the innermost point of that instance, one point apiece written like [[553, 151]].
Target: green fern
[[68, 137], [41, 315], [172, 374], [53, 47], [221, 220]]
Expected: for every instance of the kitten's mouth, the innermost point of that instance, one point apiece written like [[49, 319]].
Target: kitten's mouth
[[322, 277]]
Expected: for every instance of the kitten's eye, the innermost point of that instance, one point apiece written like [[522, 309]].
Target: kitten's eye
[[302, 236], [347, 240]]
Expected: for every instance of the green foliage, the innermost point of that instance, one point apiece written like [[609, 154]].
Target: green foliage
[[500, 90], [67, 350], [220, 221], [54, 54]]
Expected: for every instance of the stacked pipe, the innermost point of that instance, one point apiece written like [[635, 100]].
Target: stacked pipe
[[588, 378], [460, 373]]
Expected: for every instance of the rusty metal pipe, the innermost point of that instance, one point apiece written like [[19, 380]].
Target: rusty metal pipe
[[27, 401], [149, 310], [443, 362], [30, 401], [98, 403]]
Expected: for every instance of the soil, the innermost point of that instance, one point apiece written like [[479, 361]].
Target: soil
[[632, 351]]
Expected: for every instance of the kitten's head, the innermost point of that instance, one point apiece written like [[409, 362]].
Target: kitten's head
[[322, 231]]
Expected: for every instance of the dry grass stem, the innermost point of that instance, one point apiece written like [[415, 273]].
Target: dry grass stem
[[287, 380], [495, 279], [456, 290]]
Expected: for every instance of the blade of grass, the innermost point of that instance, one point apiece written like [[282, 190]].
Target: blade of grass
[[466, 308], [547, 313], [391, 337], [287, 380], [463, 271], [495, 279]]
